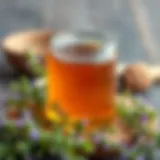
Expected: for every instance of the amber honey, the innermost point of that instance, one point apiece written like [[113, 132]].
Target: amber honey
[[80, 82]]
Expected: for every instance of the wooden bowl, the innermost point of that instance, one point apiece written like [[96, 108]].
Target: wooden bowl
[[17, 44]]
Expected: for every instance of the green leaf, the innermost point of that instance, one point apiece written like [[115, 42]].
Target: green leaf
[[14, 86], [22, 147], [157, 137], [3, 150], [34, 64], [79, 127]]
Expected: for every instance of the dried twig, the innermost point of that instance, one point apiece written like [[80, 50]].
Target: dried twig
[[143, 27]]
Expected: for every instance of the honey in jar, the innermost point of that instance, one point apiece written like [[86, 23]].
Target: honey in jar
[[81, 76]]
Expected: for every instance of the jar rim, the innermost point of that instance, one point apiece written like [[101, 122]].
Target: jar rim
[[64, 39]]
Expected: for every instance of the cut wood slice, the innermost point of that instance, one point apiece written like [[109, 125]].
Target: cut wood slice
[[17, 44]]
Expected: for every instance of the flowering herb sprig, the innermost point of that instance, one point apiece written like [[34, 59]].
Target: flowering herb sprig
[[34, 63], [27, 93], [142, 119], [21, 139]]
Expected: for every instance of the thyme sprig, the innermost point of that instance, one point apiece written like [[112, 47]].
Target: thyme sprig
[[34, 63]]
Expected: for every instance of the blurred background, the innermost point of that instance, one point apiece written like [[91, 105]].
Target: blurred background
[[135, 22]]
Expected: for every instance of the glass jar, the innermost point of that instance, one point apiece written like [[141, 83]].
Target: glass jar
[[81, 75]]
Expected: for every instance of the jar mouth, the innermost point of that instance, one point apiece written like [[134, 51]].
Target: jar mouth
[[104, 47]]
